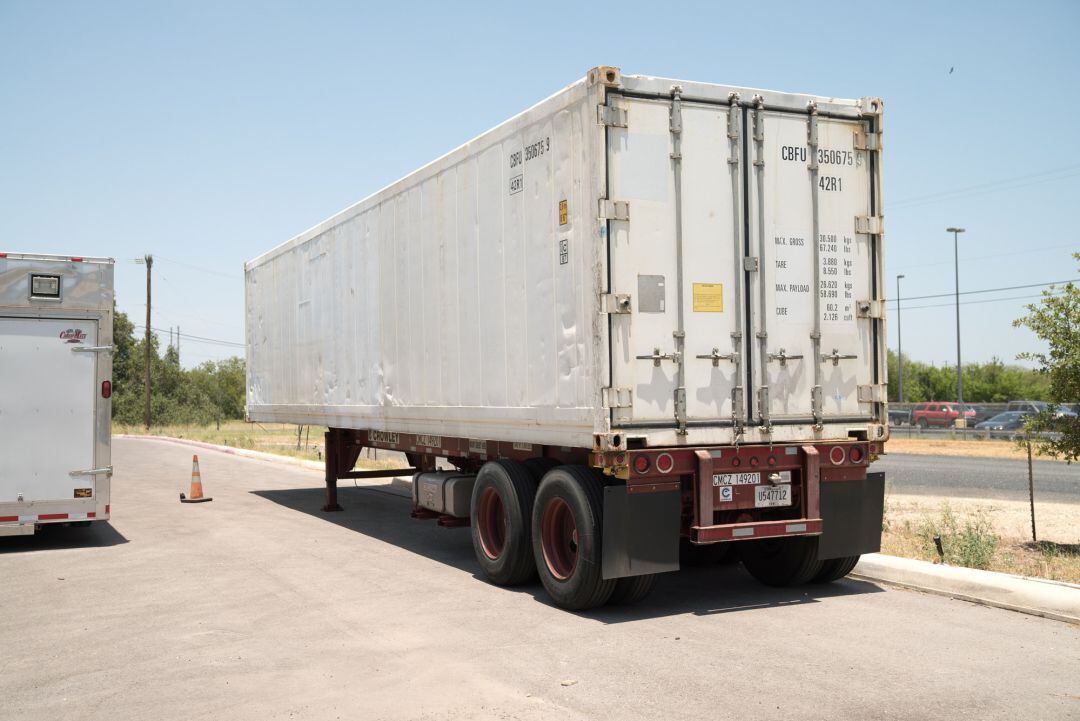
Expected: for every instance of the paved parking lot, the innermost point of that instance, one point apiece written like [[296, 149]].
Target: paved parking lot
[[258, 606]]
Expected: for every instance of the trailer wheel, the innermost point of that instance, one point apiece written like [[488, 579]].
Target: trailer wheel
[[539, 466], [835, 568], [632, 589], [781, 561], [567, 534], [501, 514]]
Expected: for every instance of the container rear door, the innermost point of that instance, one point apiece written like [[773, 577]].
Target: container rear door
[[706, 201], [47, 405], [783, 191]]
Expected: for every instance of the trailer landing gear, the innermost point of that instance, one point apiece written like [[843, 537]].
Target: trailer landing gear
[[343, 448]]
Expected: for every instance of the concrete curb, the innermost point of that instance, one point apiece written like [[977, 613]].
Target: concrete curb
[[1035, 596], [243, 452]]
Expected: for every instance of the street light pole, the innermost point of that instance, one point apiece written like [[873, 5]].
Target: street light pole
[[899, 343], [149, 261], [959, 367]]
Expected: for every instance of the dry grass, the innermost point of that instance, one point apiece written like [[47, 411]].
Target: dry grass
[[995, 535], [279, 438], [947, 447]]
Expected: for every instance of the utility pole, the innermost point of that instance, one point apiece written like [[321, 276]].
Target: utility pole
[[962, 418], [899, 344], [177, 346], [149, 261]]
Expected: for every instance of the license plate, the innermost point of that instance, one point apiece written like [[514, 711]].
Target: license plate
[[766, 496], [736, 479]]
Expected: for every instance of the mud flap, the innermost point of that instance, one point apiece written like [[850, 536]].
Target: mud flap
[[851, 517], [641, 532]]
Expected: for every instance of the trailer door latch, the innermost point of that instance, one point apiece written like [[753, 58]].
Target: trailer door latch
[[107, 470], [91, 349], [616, 303]]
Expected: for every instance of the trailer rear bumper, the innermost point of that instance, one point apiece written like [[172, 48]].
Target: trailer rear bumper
[[16, 529], [760, 529]]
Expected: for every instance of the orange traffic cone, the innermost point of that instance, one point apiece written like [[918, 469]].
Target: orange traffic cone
[[196, 495]]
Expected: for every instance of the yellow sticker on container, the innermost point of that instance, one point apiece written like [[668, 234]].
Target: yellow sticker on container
[[564, 217], [708, 297]]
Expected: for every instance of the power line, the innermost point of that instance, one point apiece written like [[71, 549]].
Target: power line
[[1026, 251], [972, 302], [1019, 181], [198, 338], [990, 290]]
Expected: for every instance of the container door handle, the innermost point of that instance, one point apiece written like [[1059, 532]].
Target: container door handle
[[783, 357], [836, 357], [656, 356], [92, 472], [716, 357], [92, 349]]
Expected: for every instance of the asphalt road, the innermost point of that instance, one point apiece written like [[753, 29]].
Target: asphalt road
[[994, 478], [258, 606]]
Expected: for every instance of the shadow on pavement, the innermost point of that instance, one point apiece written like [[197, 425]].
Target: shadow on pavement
[[98, 534], [382, 514]]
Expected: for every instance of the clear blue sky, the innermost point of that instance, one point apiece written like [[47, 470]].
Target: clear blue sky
[[208, 132]]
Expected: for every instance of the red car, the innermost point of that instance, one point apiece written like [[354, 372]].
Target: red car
[[942, 414]]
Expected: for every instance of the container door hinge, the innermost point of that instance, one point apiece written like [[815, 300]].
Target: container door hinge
[[615, 303], [92, 349], [870, 224], [106, 470], [866, 140], [613, 209], [750, 264], [618, 397], [611, 116], [871, 309], [873, 393]]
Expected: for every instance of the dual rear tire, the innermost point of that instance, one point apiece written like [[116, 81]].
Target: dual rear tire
[[540, 518], [792, 561]]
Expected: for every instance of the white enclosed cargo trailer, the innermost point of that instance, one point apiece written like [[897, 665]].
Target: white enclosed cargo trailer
[[644, 271], [583, 270], [55, 390]]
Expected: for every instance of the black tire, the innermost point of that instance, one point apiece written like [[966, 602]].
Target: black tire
[[835, 568], [569, 561], [501, 517], [692, 555], [922, 424], [632, 589], [539, 466], [781, 561]]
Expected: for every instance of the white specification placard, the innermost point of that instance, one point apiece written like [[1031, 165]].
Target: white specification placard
[[836, 283]]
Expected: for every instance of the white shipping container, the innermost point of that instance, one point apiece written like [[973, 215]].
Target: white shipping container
[[55, 390], [675, 262]]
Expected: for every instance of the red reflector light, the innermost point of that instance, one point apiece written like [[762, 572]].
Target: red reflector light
[[736, 462], [106, 389], [664, 462], [3, 255], [641, 464], [856, 454], [754, 461], [837, 455], [76, 259], [771, 460]]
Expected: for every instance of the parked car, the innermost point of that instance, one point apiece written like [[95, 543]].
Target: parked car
[[1035, 407], [1004, 425], [899, 417], [982, 413], [940, 414]]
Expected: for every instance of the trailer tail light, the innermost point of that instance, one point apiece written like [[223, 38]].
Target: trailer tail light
[[76, 259], [856, 454], [641, 464], [837, 455], [754, 461], [664, 463], [106, 389]]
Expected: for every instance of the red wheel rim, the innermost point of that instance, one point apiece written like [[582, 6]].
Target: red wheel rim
[[559, 539], [491, 523]]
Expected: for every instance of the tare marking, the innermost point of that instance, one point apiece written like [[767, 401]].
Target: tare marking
[[429, 441]]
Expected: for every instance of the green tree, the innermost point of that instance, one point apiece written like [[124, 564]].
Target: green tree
[[1056, 320]]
